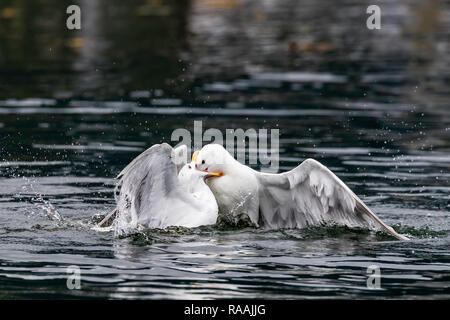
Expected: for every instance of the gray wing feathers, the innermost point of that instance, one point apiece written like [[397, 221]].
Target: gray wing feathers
[[311, 195], [145, 181]]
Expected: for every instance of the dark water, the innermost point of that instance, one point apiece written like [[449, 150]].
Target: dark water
[[77, 106]]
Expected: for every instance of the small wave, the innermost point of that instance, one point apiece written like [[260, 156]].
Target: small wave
[[325, 232], [420, 233], [300, 77], [33, 163], [31, 102], [95, 147]]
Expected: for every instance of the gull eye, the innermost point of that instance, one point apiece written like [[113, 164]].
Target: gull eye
[[203, 161], [189, 167]]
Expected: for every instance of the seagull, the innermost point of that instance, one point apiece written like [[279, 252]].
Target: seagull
[[158, 190], [308, 195]]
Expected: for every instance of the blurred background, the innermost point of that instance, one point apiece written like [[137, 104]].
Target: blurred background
[[125, 48]]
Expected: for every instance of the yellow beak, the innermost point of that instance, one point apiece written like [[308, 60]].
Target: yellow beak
[[215, 174]]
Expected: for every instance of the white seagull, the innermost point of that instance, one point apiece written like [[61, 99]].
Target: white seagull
[[151, 193], [308, 195]]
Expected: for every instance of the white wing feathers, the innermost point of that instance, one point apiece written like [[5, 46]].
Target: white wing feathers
[[311, 195], [149, 189]]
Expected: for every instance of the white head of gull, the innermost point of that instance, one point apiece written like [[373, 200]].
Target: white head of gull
[[308, 195]]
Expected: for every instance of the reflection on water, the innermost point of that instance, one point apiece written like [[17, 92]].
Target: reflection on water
[[77, 106], [121, 46]]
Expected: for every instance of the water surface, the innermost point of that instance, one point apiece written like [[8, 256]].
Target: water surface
[[374, 108]]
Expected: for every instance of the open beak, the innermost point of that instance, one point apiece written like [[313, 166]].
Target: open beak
[[208, 173]]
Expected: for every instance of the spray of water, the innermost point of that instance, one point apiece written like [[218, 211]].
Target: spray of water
[[44, 205]]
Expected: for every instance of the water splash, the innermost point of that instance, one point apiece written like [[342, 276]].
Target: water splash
[[40, 202]]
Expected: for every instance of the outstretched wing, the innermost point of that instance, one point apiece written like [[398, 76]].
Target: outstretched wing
[[311, 195], [145, 183]]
